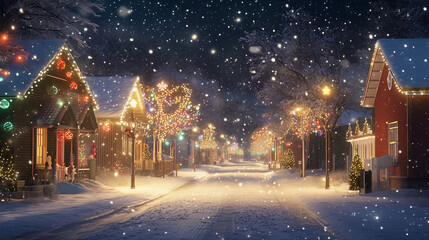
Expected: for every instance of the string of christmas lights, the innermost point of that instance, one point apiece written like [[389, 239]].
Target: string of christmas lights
[[170, 110]]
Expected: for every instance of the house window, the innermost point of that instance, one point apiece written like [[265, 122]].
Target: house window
[[389, 80], [41, 147], [393, 140]]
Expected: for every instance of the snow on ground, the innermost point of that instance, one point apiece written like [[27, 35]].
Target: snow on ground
[[226, 201], [389, 214], [80, 201]]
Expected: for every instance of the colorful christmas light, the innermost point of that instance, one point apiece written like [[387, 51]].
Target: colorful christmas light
[[4, 104], [68, 135], [170, 109], [61, 64]]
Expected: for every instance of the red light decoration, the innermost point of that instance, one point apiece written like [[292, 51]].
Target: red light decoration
[[4, 37], [19, 58], [86, 98], [69, 74], [106, 127], [61, 64], [73, 85], [68, 135], [60, 135], [6, 73]]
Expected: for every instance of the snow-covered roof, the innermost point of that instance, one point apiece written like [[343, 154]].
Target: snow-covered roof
[[111, 93], [408, 62], [40, 54]]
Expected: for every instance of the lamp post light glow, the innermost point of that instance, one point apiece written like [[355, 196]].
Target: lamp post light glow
[[326, 91]]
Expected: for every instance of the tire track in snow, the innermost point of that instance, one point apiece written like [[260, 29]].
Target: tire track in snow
[[89, 226]]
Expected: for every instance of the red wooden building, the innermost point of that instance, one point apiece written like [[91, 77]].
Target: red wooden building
[[398, 89]]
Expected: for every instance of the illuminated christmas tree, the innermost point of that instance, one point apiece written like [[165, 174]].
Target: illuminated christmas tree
[[146, 154], [288, 160], [208, 141], [355, 173], [7, 172]]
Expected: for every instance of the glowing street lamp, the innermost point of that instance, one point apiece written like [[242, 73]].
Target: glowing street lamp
[[326, 92]]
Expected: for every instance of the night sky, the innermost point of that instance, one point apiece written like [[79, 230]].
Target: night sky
[[205, 35]]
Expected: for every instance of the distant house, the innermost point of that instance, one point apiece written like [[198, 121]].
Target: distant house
[[362, 141], [46, 106], [121, 109], [398, 89]]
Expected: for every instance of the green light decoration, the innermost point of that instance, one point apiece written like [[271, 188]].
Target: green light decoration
[[180, 137], [60, 103], [54, 90], [167, 143], [1, 79], [8, 126], [4, 104]]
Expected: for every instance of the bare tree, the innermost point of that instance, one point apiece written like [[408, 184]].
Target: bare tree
[[47, 19], [297, 64], [413, 16]]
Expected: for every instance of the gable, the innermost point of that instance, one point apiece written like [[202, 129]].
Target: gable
[[47, 60], [66, 118], [89, 122], [407, 61]]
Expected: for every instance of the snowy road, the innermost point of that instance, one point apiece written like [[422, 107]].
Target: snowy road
[[236, 201]]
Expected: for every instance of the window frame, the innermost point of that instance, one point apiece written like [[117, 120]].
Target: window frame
[[41, 146], [392, 140]]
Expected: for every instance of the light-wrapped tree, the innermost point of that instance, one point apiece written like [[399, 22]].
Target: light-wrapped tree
[[355, 173], [288, 160], [7, 172]]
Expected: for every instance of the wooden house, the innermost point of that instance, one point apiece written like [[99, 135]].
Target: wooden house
[[121, 111], [398, 89], [46, 106], [362, 140]]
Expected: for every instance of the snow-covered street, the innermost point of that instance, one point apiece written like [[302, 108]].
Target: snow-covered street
[[228, 201]]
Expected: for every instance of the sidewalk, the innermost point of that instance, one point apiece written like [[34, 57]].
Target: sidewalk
[[390, 214], [80, 201]]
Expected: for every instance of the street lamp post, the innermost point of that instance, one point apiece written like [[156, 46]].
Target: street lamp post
[[326, 92], [194, 134], [133, 105]]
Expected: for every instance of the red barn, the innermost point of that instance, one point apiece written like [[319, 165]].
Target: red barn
[[398, 89]]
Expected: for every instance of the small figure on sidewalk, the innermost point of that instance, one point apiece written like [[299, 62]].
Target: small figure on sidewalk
[[70, 172]]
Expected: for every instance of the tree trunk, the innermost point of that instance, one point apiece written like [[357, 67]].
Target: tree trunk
[[330, 152]]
